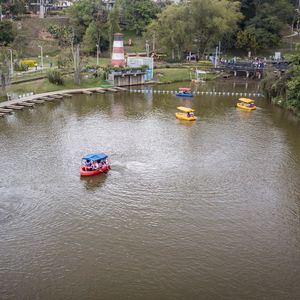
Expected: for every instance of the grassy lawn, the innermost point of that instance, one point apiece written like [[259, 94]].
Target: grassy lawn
[[138, 43], [103, 61], [43, 85], [171, 75]]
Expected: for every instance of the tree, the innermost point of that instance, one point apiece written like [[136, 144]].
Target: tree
[[83, 12], [246, 40], [171, 30], [200, 23], [211, 19], [4, 69], [14, 7], [113, 23], [7, 33], [269, 20], [138, 14], [284, 89]]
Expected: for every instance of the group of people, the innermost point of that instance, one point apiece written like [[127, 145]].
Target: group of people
[[94, 165]]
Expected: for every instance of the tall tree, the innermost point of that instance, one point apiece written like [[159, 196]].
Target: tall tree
[[266, 19], [7, 32], [201, 23], [83, 12], [138, 13], [4, 69], [211, 19], [113, 23], [171, 30]]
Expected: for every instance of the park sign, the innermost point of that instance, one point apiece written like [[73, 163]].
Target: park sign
[[137, 61]]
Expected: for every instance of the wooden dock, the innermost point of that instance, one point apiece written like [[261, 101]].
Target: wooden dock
[[29, 101]]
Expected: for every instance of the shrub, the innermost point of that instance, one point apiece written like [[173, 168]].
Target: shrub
[[206, 63], [55, 77], [28, 62], [20, 67]]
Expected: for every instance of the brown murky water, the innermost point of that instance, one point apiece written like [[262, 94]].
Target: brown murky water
[[205, 210]]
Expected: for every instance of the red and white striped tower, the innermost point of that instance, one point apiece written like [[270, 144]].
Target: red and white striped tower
[[118, 58]]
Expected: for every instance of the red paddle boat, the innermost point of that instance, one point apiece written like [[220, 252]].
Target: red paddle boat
[[94, 164]]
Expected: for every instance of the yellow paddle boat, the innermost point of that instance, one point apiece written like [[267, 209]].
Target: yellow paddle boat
[[246, 103], [186, 114]]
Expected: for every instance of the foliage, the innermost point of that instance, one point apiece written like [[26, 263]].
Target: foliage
[[197, 24], [246, 40], [266, 19], [20, 67], [14, 7], [284, 89], [55, 77], [61, 33], [64, 59], [83, 12], [7, 33], [172, 30], [4, 68], [113, 23], [93, 36], [205, 63], [28, 62], [137, 14], [89, 24]]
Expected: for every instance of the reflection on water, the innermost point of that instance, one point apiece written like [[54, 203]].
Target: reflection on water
[[93, 182], [207, 209]]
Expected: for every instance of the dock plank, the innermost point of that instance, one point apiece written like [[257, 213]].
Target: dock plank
[[120, 88], [25, 104], [5, 110], [86, 92], [111, 90], [100, 91], [17, 107], [37, 101]]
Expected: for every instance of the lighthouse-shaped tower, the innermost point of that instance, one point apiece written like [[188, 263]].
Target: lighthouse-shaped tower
[[118, 58]]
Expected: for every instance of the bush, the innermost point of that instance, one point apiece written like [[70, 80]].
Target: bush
[[205, 63], [28, 62], [20, 67], [55, 77], [56, 13]]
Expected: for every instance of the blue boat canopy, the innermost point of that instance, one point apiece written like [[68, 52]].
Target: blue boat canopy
[[95, 156]]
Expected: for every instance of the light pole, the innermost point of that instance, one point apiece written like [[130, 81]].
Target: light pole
[[42, 59], [11, 63], [216, 57], [97, 45]]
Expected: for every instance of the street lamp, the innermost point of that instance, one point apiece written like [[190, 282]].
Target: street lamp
[[42, 59], [11, 63], [97, 45]]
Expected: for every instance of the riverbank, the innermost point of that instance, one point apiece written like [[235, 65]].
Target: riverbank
[[42, 85]]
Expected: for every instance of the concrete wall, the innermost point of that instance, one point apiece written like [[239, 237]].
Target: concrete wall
[[123, 80]]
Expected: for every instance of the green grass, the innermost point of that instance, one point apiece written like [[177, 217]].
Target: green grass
[[103, 61], [43, 85], [138, 43], [171, 75]]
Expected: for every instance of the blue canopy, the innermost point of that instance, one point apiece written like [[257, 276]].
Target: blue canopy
[[95, 156]]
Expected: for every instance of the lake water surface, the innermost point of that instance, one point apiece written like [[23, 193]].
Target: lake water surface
[[203, 210]]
